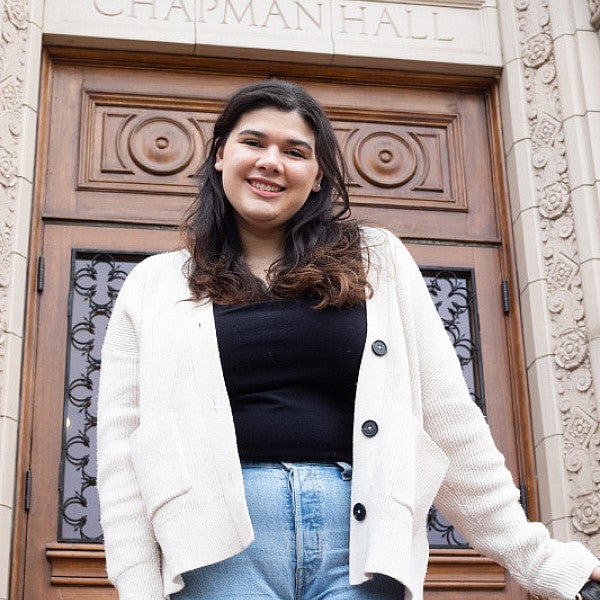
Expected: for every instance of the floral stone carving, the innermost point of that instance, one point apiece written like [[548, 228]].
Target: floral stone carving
[[14, 30], [581, 441]]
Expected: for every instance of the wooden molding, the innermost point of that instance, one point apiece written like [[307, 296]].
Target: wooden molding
[[265, 68], [463, 569], [77, 564], [520, 392], [84, 565]]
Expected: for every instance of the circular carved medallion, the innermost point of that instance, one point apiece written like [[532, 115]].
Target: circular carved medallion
[[161, 146], [385, 159]]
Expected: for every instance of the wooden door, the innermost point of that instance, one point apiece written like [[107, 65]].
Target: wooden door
[[121, 138]]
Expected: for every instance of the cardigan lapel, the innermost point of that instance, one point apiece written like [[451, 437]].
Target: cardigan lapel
[[204, 364], [203, 357]]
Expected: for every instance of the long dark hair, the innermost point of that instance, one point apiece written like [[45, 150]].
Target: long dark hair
[[322, 250]]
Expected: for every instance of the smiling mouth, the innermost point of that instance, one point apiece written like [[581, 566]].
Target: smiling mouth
[[265, 187]]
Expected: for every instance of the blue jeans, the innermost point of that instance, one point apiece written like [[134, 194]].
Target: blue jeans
[[301, 518]]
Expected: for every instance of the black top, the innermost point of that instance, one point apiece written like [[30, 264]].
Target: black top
[[291, 374]]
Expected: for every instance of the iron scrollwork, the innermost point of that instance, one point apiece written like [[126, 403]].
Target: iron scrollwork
[[454, 297], [96, 279]]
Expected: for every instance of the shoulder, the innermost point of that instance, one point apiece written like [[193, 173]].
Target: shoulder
[[373, 235], [155, 272], [378, 236], [388, 255], [384, 244], [163, 260], [164, 264]]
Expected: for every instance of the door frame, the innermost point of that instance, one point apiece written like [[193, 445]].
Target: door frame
[[488, 85]]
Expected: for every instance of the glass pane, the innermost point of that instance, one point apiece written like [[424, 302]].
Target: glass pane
[[453, 293], [96, 279]]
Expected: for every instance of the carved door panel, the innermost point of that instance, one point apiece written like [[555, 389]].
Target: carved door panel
[[120, 146]]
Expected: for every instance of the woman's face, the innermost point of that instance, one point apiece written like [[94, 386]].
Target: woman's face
[[269, 168]]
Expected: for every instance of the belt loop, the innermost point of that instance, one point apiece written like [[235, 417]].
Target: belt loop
[[346, 470]]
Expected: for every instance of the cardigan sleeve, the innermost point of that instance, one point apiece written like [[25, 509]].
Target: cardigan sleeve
[[478, 494], [132, 554]]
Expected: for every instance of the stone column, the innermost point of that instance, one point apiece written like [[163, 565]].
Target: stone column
[[550, 98], [20, 51]]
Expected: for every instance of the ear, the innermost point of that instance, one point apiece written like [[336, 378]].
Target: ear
[[317, 184], [219, 160]]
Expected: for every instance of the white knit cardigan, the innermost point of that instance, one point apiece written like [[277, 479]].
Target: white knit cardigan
[[169, 475]]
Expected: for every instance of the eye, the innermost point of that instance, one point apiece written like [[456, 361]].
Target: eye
[[252, 142], [295, 152]]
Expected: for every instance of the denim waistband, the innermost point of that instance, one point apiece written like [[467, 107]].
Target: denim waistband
[[345, 467]]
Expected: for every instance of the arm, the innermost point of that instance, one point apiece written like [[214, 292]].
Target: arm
[[132, 555], [478, 494]]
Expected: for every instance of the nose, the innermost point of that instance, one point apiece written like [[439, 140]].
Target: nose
[[270, 159]]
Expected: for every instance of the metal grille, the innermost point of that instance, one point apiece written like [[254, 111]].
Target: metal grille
[[96, 279], [453, 293]]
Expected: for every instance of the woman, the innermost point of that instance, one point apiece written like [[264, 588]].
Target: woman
[[291, 342]]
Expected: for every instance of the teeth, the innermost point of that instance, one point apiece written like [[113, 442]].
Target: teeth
[[265, 187]]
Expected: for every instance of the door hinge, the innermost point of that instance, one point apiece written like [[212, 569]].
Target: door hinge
[[40, 274], [523, 498], [27, 490], [505, 297]]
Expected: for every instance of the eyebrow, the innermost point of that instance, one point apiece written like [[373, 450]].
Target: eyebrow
[[291, 141]]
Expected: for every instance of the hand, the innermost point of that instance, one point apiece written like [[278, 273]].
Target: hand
[[595, 574]]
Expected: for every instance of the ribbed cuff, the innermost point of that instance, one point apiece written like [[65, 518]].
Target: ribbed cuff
[[588, 563], [568, 571], [140, 582]]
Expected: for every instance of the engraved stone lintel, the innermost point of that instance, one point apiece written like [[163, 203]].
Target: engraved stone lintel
[[456, 31], [445, 3]]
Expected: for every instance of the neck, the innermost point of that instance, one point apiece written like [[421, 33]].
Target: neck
[[260, 250]]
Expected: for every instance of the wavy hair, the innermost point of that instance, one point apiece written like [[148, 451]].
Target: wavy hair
[[322, 256]]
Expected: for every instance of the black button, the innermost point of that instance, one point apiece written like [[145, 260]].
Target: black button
[[359, 511], [379, 347], [369, 428]]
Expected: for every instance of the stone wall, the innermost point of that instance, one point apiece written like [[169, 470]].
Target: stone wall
[[550, 104], [20, 47]]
